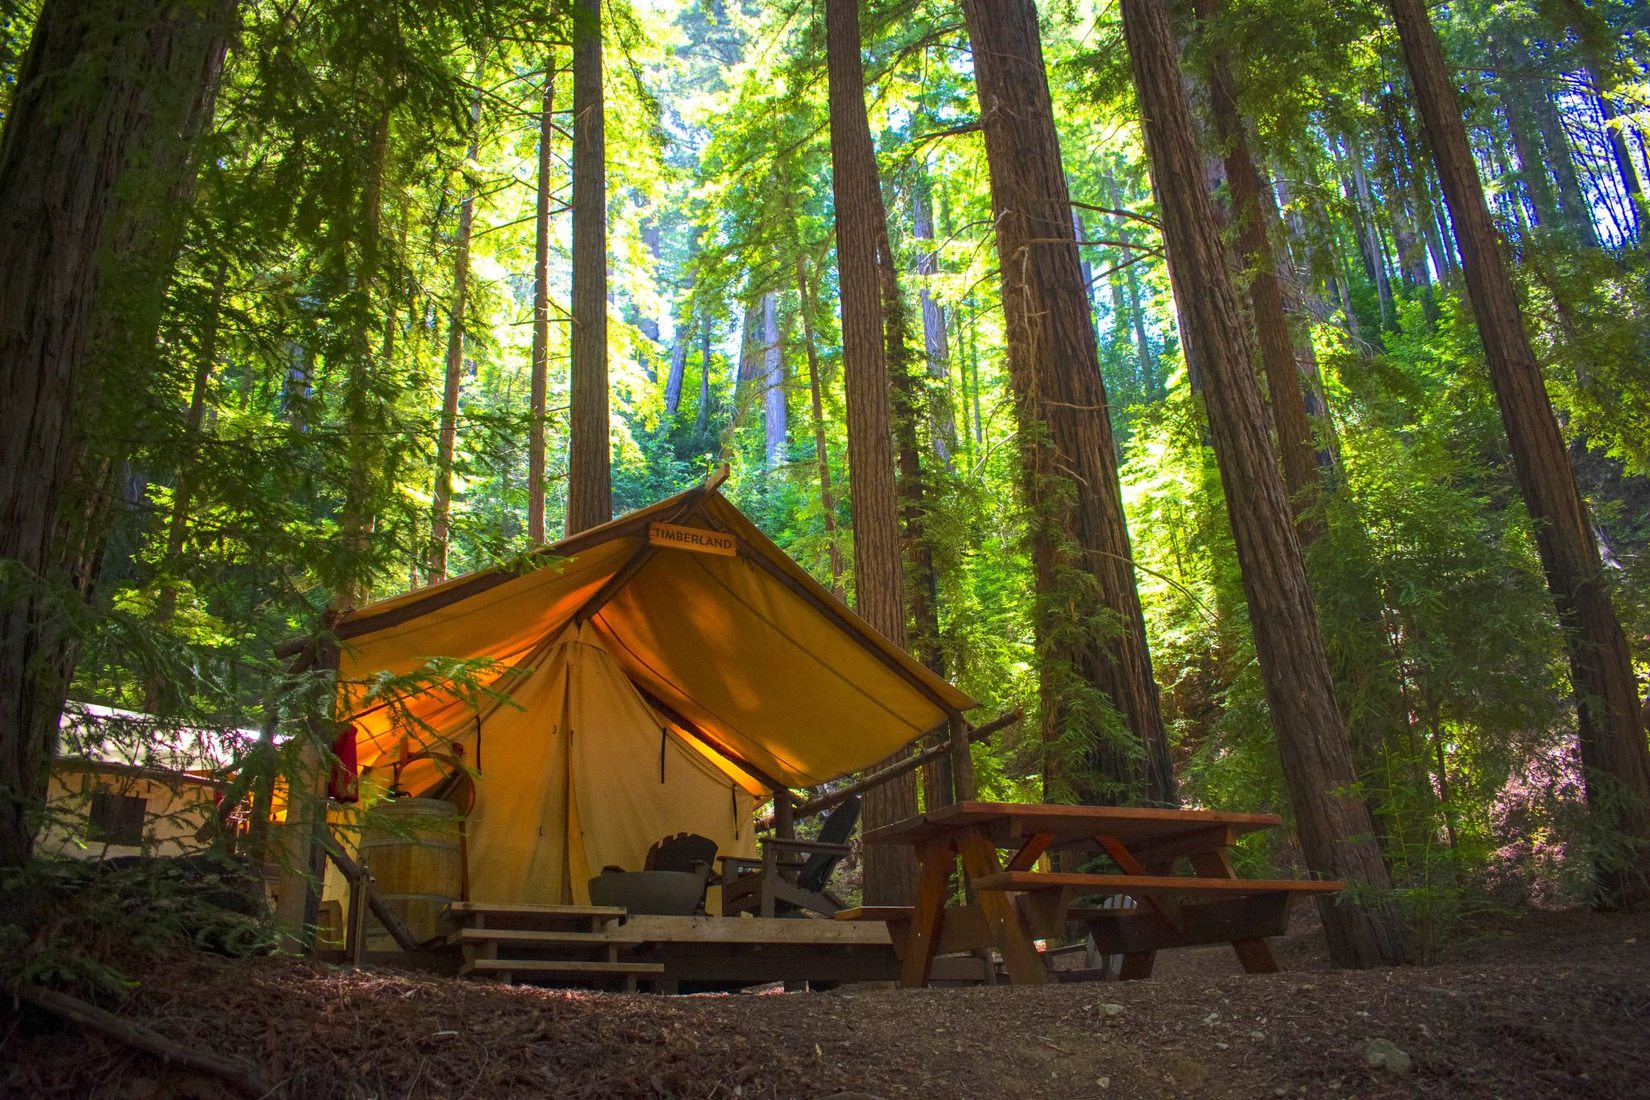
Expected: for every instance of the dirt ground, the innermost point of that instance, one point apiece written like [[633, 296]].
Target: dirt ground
[[1542, 1005]]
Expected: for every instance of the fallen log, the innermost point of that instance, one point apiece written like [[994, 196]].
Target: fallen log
[[241, 1074]]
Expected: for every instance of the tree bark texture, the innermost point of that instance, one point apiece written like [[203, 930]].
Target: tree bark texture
[[447, 432], [86, 162], [890, 872], [1272, 329], [1613, 751], [538, 398], [589, 472], [1336, 832], [1090, 630]]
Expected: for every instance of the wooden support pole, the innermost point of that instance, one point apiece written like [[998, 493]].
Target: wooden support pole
[[962, 762], [386, 916], [784, 814], [893, 771]]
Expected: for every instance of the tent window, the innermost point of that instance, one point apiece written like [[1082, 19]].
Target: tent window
[[117, 818]]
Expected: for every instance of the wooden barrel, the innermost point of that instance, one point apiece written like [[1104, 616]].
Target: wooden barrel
[[412, 847]]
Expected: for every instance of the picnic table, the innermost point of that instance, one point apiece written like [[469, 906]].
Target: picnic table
[[1012, 903]]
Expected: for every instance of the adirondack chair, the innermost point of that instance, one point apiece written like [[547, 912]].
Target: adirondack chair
[[790, 879]]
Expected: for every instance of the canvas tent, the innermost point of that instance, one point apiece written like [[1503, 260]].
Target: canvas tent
[[659, 679]]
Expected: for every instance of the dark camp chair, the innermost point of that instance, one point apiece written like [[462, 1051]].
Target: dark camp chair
[[792, 874], [689, 853]]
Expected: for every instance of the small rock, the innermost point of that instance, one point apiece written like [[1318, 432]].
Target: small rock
[[1109, 1009], [1223, 1046], [1211, 1017], [1387, 1055], [1281, 1090], [1257, 1036], [1103, 1082]]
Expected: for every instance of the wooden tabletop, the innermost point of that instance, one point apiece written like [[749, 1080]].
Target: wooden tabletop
[[1069, 826]]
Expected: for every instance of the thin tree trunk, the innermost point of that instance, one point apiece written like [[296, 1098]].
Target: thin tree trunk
[[701, 421], [678, 371], [890, 872], [1336, 832], [1277, 351], [447, 440], [827, 501], [1080, 548], [183, 490], [1573, 204], [589, 476], [935, 347], [1630, 186], [539, 396], [1613, 752], [364, 447], [1532, 167], [776, 425]]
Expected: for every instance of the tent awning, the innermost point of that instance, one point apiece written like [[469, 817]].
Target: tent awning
[[746, 652]]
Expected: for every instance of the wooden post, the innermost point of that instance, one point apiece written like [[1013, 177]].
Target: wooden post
[[962, 763], [355, 938], [784, 814], [303, 855]]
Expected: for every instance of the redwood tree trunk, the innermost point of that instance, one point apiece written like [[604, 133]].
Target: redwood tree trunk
[[589, 475], [447, 440], [890, 871], [541, 315], [97, 150], [1336, 832], [1277, 351], [1613, 751], [1080, 541]]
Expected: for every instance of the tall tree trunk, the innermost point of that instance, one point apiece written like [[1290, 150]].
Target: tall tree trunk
[[1080, 548], [1335, 828], [447, 437], [1272, 329], [827, 500], [934, 344], [776, 424], [539, 396], [1574, 206], [701, 420], [1613, 751], [678, 370], [1630, 185], [1532, 167], [183, 489], [890, 872], [589, 475], [1370, 235], [96, 165], [364, 445]]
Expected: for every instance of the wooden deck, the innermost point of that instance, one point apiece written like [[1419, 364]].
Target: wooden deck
[[604, 948]]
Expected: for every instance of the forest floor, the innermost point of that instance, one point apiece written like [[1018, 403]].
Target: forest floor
[[1536, 1005]]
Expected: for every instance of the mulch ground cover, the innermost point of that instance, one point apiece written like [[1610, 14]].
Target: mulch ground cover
[[1546, 1005]]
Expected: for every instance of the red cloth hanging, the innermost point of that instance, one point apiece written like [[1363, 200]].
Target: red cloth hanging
[[345, 784]]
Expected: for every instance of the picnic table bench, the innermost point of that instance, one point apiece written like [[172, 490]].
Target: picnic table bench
[[1012, 903]]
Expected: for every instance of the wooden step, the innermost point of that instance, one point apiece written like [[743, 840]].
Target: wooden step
[[459, 909], [1150, 885], [529, 937], [562, 968]]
